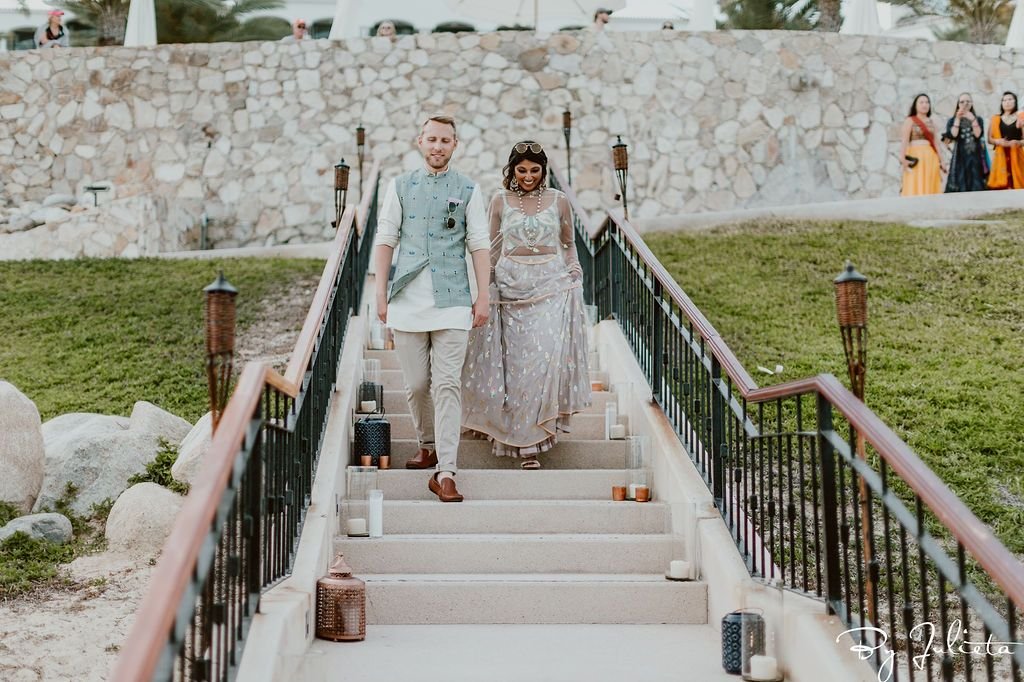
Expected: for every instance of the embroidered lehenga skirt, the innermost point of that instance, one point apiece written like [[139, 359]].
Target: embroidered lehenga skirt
[[526, 370]]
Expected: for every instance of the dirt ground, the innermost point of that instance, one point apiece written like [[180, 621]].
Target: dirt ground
[[74, 633]]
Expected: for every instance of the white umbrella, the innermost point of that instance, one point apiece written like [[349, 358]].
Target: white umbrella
[[342, 15], [531, 12], [1015, 36], [861, 18], [702, 16], [141, 28]]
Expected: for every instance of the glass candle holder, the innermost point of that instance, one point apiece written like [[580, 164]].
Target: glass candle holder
[[611, 418], [355, 508], [371, 389], [377, 335]]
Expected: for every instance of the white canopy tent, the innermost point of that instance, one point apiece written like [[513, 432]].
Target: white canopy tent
[[141, 28], [861, 18], [1015, 36]]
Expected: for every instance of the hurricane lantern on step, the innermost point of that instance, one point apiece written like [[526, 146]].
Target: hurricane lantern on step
[[567, 131], [851, 290], [360, 152], [220, 342], [340, 190], [341, 604], [620, 158]]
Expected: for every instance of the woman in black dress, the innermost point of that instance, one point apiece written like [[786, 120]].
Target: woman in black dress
[[968, 166]]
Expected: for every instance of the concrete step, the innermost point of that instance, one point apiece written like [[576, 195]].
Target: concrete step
[[508, 553], [389, 358], [566, 454], [435, 599], [525, 516], [493, 484], [502, 653], [395, 402], [392, 379], [584, 427]]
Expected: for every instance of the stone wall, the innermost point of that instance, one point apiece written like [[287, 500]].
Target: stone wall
[[249, 132]]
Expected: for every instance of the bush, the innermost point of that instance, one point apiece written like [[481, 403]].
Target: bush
[[159, 470]]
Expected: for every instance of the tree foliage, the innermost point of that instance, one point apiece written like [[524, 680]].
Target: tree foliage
[[212, 21], [797, 15], [982, 21]]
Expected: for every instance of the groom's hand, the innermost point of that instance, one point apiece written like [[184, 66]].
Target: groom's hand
[[481, 308]]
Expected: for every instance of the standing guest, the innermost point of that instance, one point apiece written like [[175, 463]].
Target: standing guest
[[968, 165], [1004, 134], [526, 370], [433, 214], [601, 17], [52, 33], [387, 30], [668, 26], [298, 32], [919, 153]]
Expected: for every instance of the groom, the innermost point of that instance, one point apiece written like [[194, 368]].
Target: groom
[[434, 214]]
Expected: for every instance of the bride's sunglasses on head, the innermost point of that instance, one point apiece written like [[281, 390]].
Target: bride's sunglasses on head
[[534, 147]]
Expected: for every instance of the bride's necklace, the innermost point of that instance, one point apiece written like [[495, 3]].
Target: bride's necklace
[[531, 224]]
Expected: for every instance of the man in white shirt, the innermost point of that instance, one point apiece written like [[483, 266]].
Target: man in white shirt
[[434, 214]]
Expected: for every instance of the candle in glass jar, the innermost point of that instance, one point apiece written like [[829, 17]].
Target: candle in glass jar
[[763, 668], [618, 493], [356, 526], [642, 493], [617, 431], [368, 406], [376, 526], [631, 493]]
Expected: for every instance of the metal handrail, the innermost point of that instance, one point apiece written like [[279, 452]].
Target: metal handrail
[[177, 603], [718, 412]]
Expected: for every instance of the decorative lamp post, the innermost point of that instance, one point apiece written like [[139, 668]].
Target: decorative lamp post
[[220, 342], [340, 190], [567, 131], [360, 150], [851, 289], [620, 158]]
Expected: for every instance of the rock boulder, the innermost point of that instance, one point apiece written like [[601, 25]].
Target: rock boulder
[[192, 451], [148, 418], [22, 452], [141, 519], [54, 528]]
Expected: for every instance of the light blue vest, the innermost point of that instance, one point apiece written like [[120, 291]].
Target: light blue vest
[[425, 239]]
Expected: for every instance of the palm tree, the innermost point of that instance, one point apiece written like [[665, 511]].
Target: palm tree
[[982, 21], [797, 15], [106, 17], [212, 21]]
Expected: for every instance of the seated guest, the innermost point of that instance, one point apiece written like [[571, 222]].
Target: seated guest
[[298, 32]]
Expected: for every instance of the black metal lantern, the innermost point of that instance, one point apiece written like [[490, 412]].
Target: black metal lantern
[[742, 637], [360, 150], [567, 131], [220, 342], [620, 159], [340, 190]]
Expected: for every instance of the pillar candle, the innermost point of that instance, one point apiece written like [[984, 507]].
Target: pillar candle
[[679, 569], [617, 431], [357, 526], [376, 527], [368, 406], [763, 668]]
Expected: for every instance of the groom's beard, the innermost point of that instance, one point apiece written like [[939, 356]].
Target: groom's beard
[[438, 163]]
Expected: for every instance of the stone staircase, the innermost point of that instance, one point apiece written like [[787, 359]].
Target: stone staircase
[[526, 547]]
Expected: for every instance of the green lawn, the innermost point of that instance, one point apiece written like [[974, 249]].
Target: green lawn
[[97, 335], [946, 321]]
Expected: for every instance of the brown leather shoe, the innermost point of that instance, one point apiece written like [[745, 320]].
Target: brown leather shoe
[[423, 459], [445, 490]]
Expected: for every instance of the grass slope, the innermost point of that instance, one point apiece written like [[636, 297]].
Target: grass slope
[[946, 319], [97, 335]]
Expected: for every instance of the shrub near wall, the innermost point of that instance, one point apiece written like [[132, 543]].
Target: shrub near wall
[[249, 132]]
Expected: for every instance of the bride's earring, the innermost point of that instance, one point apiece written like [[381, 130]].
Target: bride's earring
[[514, 185]]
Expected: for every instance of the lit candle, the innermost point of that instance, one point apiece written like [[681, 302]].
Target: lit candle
[[368, 406], [618, 493], [763, 668], [679, 569], [617, 431], [356, 526], [643, 493]]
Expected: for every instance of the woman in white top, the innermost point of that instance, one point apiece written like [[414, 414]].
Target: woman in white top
[[52, 33], [526, 370]]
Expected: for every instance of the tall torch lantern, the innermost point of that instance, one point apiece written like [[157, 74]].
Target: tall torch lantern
[[220, 342], [360, 153], [620, 159], [340, 190], [851, 290], [567, 131]]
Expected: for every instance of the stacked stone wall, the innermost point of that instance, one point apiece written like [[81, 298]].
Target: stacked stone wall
[[249, 132]]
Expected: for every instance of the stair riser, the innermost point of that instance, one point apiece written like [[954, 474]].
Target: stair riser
[[395, 402], [393, 380], [466, 554], [614, 517], [478, 484], [567, 454], [584, 427], [389, 358], [416, 603]]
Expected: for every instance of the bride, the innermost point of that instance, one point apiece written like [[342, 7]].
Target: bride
[[526, 370]]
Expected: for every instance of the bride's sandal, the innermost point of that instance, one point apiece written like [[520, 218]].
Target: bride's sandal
[[530, 464]]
